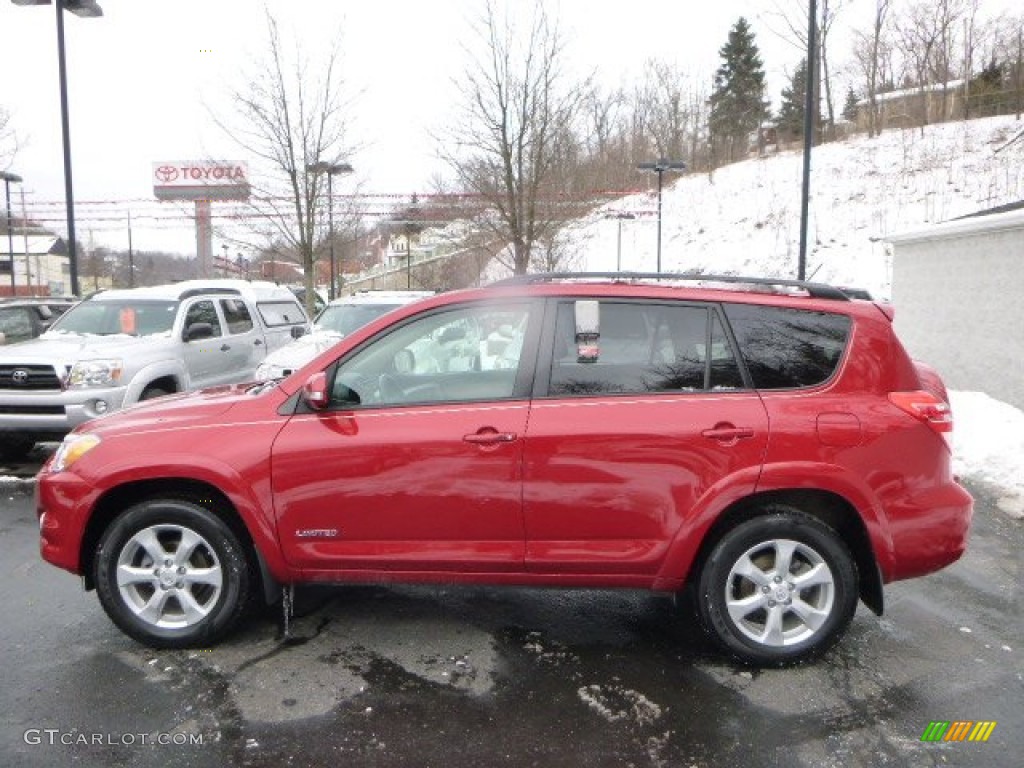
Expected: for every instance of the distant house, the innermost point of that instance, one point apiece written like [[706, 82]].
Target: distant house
[[40, 265], [909, 107], [956, 291]]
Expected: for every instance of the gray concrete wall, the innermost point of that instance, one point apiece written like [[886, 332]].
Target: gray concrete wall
[[958, 291]]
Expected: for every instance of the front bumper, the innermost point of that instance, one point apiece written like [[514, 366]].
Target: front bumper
[[63, 501], [56, 412]]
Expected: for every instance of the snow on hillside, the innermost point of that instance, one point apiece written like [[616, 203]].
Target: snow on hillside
[[745, 218]]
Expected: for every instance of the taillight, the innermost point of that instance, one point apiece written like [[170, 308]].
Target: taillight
[[926, 407]]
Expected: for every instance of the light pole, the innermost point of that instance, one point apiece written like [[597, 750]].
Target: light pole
[[810, 107], [659, 168], [86, 9], [620, 217], [8, 178], [331, 169]]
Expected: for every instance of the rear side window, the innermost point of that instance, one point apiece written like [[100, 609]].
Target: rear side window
[[236, 315], [280, 313], [788, 348], [642, 348]]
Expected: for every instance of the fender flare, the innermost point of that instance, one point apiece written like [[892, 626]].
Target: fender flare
[[151, 373]]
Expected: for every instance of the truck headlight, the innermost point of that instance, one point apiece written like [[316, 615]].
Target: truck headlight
[[71, 450], [95, 373], [268, 371]]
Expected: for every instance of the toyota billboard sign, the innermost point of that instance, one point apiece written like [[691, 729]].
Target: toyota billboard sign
[[200, 180]]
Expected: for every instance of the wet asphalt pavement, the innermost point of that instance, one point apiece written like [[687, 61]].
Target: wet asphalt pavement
[[436, 676]]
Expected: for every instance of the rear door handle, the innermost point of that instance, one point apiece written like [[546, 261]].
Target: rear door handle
[[258, 343], [225, 347], [490, 438], [727, 433]]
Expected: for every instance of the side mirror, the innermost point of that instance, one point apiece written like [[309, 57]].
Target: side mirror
[[314, 391], [298, 331], [198, 331]]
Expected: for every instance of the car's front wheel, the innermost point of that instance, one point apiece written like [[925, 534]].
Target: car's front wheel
[[779, 588], [171, 574]]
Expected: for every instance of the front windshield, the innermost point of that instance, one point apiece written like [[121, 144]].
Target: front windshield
[[345, 318], [131, 317]]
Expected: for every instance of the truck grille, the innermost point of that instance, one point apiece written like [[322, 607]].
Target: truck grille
[[22, 378]]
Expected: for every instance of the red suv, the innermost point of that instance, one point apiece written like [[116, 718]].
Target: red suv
[[768, 444]]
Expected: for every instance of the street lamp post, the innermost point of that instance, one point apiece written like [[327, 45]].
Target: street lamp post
[[86, 9], [659, 168], [620, 217], [8, 178], [331, 169]]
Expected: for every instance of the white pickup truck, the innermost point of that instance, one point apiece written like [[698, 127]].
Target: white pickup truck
[[122, 346]]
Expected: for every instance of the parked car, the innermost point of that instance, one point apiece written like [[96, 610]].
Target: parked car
[[335, 321], [25, 318], [767, 445], [122, 346]]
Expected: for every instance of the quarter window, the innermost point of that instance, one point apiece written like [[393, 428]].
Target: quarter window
[[788, 348]]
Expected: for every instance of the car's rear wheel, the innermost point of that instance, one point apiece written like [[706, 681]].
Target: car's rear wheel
[[171, 574], [779, 588]]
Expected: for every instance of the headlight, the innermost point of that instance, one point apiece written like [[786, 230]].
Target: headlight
[[71, 450], [95, 373], [268, 371]]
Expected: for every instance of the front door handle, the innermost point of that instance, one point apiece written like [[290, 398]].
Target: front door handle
[[225, 347], [490, 437], [727, 433]]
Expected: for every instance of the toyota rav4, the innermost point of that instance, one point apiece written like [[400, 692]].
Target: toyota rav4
[[767, 445]]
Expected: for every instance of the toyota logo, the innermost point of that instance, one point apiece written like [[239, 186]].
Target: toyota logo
[[19, 377], [167, 173]]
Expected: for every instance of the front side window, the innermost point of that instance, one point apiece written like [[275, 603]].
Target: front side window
[[788, 348], [466, 354], [641, 348], [203, 312]]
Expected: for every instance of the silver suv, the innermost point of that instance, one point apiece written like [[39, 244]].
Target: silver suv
[[122, 346]]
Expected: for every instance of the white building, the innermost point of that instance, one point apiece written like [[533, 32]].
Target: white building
[[40, 265], [956, 288]]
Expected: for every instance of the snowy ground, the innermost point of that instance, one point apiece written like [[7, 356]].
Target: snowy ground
[[988, 446]]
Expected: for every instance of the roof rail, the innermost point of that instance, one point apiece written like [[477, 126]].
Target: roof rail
[[208, 292], [815, 290]]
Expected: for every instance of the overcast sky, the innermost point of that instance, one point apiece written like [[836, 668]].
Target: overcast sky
[[142, 78]]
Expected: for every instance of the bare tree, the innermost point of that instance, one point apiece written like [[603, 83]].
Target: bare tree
[[290, 115], [513, 139], [872, 52], [8, 139], [792, 23]]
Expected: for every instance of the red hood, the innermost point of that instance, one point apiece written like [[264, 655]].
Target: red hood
[[174, 410]]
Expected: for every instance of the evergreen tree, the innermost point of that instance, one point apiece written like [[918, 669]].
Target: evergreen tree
[[791, 112], [738, 105], [850, 109]]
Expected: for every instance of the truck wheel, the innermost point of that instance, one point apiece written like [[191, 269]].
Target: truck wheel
[[778, 589], [150, 392], [15, 448], [171, 574]]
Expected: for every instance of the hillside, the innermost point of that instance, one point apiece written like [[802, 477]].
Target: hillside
[[746, 218]]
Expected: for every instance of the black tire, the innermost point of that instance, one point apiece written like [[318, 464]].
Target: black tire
[[778, 618], [151, 392], [186, 601], [16, 448]]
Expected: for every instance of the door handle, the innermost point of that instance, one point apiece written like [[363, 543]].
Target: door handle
[[258, 343], [727, 433], [225, 347], [490, 438]]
